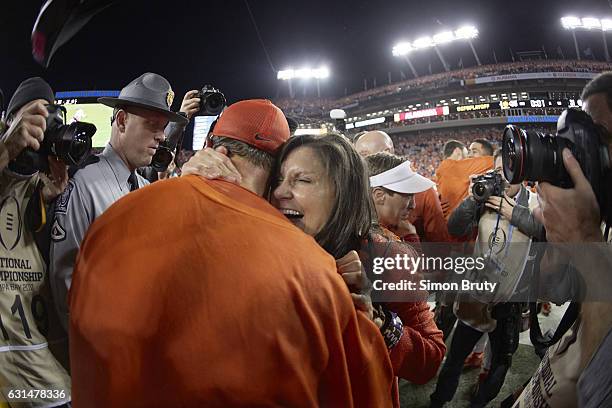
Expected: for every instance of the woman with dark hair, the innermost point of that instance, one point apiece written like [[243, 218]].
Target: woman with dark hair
[[321, 185], [328, 173]]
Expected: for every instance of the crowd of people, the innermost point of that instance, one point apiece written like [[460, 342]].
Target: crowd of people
[[305, 107], [423, 148], [268, 273]]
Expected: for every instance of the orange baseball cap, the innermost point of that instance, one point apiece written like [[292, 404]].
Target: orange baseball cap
[[257, 122]]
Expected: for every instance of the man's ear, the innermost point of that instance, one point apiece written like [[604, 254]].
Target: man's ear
[[378, 196], [121, 117]]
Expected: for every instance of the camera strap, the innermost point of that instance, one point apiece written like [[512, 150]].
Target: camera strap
[[496, 230], [535, 331]]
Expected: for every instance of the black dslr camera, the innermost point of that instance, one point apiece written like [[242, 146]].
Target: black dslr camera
[[70, 143], [535, 156], [212, 101], [487, 185], [167, 150]]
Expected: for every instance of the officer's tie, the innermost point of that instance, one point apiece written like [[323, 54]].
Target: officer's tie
[[133, 182]]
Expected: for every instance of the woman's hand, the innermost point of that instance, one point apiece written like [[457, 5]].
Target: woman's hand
[[351, 270], [212, 164]]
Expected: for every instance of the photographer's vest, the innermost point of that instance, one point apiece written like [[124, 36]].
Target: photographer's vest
[[506, 252], [26, 312]]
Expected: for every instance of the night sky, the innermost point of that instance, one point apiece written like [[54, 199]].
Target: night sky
[[196, 42]]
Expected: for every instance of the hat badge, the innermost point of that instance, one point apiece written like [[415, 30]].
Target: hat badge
[[169, 98]]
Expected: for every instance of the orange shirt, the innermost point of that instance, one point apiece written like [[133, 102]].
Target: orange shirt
[[428, 218], [453, 177], [199, 293]]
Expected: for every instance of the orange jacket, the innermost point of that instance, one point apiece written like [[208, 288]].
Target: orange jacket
[[197, 293], [453, 178], [428, 218]]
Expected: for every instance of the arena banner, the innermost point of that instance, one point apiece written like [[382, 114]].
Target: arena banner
[[531, 75], [475, 107], [533, 119], [423, 113]]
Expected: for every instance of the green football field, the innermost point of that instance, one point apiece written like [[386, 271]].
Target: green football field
[[95, 113]]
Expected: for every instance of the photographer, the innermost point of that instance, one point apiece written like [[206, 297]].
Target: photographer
[[501, 321], [27, 322], [579, 364]]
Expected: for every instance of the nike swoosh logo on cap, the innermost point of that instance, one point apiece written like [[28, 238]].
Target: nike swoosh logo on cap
[[259, 137]]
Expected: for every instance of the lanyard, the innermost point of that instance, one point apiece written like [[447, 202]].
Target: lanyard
[[510, 229]]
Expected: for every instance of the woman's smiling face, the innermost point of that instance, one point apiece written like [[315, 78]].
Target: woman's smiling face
[[305, 193]]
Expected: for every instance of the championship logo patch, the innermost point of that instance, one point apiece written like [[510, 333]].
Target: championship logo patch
[[58, 233], [497, 241], [10, 223], [61, 205]]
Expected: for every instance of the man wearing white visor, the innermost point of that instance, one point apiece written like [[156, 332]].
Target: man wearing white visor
[[393, 185]]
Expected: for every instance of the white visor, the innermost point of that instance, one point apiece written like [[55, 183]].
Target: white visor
[[401, 179]]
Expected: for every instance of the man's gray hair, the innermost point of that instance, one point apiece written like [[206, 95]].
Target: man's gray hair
[[239, 148]]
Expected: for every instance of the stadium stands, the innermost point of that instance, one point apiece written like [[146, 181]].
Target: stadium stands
[[318, 106]]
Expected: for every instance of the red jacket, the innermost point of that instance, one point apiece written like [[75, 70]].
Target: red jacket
[[420, 351]]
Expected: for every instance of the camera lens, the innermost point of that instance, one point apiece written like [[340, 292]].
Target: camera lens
[[72, 143], [162, 158], [79, 148], [513, 154], [214, 103], [531, 156], [479, 190]]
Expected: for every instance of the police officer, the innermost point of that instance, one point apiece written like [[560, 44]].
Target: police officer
[[140, 115]]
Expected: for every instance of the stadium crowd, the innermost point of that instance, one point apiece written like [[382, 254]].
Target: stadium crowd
[[424, 148], [266, 274]]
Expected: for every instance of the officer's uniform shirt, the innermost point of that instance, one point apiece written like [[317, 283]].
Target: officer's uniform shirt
[[27, 317], [89, 193]]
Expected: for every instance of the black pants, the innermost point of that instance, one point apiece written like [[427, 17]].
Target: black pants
[[504, 342], [445, 318]]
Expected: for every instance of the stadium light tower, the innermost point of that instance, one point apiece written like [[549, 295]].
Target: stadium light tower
[[402, 50], [305, 74], [588, 24], [468, 33], [464, 33]]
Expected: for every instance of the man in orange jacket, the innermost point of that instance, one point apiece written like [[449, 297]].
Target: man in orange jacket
[[453, 174], [194, 292]]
